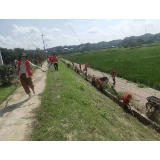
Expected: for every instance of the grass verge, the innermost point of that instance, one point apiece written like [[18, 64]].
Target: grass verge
[[72, 109]]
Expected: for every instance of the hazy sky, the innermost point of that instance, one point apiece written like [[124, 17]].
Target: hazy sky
[[21, 33]]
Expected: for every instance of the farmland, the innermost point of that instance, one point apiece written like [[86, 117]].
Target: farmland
[[140, 65]]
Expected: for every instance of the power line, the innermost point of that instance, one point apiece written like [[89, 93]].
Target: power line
[[38, 24], [73, 31]]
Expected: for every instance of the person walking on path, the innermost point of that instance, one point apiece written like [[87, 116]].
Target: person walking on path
[[73, 63], [40, 61], [86, 75], [55, 62], [113, 76], [86, 66], [24, 73]]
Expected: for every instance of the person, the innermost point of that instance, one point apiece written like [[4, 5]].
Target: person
[[73, 63], [68, 65], [86, 74], [100, 85], [48, 61], [126, 101], [93, 81], [40, 61], [86, 65], [113, 76], [77, 70], [55, 62], [24, 73], [80, 65], [50, 58]]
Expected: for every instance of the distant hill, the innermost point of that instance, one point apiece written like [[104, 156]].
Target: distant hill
[[132, 41]]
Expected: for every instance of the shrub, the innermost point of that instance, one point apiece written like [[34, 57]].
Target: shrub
[[6, 74]]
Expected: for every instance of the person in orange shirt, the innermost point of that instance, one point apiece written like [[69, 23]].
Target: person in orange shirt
[[93, 81]]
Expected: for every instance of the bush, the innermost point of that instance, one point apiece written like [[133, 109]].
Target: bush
[[6, 74]]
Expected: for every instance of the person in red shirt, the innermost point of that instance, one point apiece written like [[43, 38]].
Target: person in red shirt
[[113, 76], [126, 101], [55, 62], [40, 61], [24, 73], [100, 85], [48, 61], [77, 70], [68, 65], [80, 65], [50, 58], [86, 75], [73, 63], [86, 66], [93, 81]]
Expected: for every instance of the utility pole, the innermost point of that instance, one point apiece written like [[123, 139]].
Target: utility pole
[[43, 42]]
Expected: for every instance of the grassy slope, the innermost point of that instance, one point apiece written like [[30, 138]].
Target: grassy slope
[[138, 65], [72, 109]]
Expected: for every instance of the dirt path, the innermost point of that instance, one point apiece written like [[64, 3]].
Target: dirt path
[[16, 117], [122, 85]]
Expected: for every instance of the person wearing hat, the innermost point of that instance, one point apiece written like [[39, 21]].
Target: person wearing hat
[[24, 73], [113, 76]]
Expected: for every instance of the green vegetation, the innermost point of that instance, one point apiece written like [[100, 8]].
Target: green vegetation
[[140, 65], [72, 109], [6, 91]]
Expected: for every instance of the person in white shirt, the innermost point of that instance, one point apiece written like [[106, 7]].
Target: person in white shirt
[[24, 73]]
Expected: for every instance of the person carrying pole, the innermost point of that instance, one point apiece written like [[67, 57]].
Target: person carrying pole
[[25, 74]]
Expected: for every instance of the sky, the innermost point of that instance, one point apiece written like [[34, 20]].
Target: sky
[[26, 33]]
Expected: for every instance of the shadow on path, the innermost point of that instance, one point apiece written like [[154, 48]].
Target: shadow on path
[[12, 107]]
